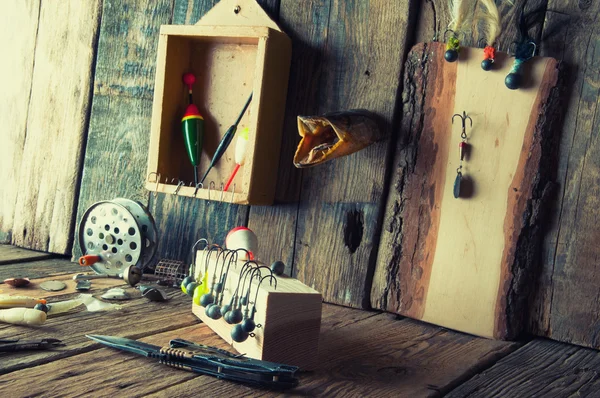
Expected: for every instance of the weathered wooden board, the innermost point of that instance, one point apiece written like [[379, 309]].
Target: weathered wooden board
[[137, 318], [38, 268], [462, 263], [18, 34], [105, 372], [541, 368], [117, 142], [306, 23], [567, 306], [337, 221], [380, 356], [56, 125], [13, 255]]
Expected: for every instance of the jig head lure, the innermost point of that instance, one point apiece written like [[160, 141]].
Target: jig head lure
[[463, 148]]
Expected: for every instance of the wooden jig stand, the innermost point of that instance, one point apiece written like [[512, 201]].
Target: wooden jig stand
[[233, 51], [289, 316], [465, 263]]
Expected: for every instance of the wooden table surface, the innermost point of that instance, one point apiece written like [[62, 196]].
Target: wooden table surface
[[361, 353]]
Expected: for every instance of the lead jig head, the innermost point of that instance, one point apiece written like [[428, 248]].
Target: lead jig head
[[452, 47]]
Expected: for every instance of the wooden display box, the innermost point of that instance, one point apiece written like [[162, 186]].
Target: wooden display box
[[229, 62], [290, 319]]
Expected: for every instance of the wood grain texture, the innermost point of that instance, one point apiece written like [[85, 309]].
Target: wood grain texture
[[145, 318], [13, 255], [18, 35], [367, 354], [56, 125], [467, 263], [38, 268], [566, 306], [307, 25], [117, 144], [105, 372], [337, 231], [542, 368]]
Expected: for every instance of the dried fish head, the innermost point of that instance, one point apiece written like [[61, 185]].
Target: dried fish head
[[334, 135]]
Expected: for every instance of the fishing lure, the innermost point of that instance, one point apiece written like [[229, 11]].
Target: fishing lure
[[524, 51], [462, 17], [491, 30], [192, 126], [463, 148]]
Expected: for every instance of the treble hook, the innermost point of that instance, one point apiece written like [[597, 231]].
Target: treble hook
[[463, 117]]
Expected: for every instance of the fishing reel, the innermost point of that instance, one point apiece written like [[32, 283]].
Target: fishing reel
[[117, 234]]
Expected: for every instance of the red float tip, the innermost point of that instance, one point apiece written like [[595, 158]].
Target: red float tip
[[192, 110], [189, 79]]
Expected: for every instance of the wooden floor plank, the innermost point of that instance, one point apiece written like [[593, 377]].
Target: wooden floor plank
[[542, 368], [137, 318], [14, 255], [105, 372], [369, 354], [38, 269]]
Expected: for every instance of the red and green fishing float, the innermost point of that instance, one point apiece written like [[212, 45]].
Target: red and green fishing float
[[192, 126]]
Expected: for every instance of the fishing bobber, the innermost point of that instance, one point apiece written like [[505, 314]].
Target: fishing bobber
[[242, 238]]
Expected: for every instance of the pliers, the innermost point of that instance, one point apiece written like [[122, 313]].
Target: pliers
[[11, 345]]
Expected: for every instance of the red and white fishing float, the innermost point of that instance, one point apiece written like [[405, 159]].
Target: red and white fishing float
[[242, 238]]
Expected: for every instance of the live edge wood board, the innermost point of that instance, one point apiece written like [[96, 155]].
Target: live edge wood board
[[464, 263]]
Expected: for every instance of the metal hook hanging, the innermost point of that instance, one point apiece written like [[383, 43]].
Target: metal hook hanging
[[464, 118], [222, 191], [534, 48], [156, 180], [193, 267], [198, 186], [449, 30], [179, 185], [211, 186]]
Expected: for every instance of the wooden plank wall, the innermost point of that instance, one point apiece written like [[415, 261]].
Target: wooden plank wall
[[49, 49], [327, 221]]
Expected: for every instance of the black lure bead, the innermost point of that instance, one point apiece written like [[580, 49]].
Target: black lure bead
[[225, 309], [214, 311], [278, 267], [451, 55], [207, 299], [238, 334], [248, 325], [187, 280], [513, 81], [190, 287], [486, 64], [234, 316]]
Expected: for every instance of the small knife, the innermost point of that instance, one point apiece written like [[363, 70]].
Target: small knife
[[183, 354]]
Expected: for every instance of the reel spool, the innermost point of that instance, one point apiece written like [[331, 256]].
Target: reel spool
[[122, 232]]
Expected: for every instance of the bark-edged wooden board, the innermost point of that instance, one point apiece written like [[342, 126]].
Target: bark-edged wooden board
[[462, 263]]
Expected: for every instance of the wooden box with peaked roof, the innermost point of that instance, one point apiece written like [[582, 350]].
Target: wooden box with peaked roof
[[235, 50]]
